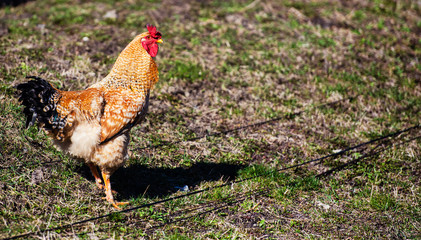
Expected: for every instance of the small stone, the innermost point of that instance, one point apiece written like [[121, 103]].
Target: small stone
[[184, 188], [37, 176], [323, 205], [41, 27], [112, 15]]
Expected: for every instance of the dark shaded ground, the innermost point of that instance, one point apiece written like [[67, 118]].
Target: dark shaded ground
[[223, 65], [137, 181], [13, 3]]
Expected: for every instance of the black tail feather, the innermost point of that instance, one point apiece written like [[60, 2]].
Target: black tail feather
[[38, 98]]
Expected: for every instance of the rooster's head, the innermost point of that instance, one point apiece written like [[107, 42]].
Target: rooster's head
[[151, 40]]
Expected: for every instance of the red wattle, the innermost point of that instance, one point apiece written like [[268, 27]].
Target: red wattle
[[151, 48]]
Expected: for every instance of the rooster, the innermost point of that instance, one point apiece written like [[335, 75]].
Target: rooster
[[94, 124]]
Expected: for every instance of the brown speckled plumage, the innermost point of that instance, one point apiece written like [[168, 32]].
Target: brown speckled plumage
[[94, 124]]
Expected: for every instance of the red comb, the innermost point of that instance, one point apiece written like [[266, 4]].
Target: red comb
[[152, 30]]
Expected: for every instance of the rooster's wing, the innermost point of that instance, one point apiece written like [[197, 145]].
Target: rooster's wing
[[123, 109]]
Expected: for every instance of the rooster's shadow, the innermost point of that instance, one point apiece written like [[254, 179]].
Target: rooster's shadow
[[139, 180]]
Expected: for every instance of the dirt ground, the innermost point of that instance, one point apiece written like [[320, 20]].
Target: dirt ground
[[246, 89]]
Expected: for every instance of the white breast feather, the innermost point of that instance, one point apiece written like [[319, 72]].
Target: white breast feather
[[84, 140]]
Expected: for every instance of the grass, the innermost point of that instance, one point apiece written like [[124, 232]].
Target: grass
[[225, 64]]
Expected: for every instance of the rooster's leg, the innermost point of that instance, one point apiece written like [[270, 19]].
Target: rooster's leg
[[98, 180], [108, 192], [95, 172]]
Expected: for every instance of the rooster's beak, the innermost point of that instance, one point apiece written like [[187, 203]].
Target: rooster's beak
[[159, 41]]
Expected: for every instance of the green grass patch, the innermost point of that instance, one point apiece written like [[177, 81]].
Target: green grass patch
[[224, 65]]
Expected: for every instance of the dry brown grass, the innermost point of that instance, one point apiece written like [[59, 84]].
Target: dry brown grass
[[225, 65]]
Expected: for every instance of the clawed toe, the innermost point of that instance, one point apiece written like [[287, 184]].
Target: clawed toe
[[115, 204]]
